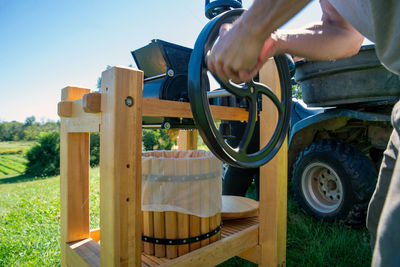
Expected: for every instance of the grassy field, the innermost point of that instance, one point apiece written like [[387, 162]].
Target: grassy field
[[30, 233], [30, 216], [12, 161]]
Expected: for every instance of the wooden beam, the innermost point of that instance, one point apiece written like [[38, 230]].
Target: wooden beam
[[81, 121], [91, 103], [253, 254], [73, 92], [64, 109], [165, 108], [121, 167], [74, 179], [95, 235], [273, 181], [219, 251], [187, 140]]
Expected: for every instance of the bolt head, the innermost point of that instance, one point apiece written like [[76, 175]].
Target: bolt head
[[167, 125], [170, 73], [129, 101]]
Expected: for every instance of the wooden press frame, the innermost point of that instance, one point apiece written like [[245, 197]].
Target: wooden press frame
[[117, 113]]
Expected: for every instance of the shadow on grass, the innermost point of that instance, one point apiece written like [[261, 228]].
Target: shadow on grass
[[20, 178]]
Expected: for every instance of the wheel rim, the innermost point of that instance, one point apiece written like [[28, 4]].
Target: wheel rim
[[322, 187]]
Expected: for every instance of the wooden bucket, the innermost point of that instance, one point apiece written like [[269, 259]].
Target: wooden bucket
[[168, 178]]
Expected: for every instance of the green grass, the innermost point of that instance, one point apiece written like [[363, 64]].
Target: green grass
[[316, 243], [30, 218], [12, 160], [22, 146], [30, 233]]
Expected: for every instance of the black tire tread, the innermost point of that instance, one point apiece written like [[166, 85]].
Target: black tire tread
[[358, 166]]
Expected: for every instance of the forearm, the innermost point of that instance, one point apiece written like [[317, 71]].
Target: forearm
[[319, 42], [331, 38], [265, 16]]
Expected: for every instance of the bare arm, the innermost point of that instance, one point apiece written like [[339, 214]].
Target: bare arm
[[237, 53], [243, 49], [332, 38]]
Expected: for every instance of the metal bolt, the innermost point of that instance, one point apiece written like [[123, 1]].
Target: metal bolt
[[129, 101], [170, 73], [167, 125]]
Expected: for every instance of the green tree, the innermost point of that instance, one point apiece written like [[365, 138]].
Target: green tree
[[94, 149], [156, 140], [29, 121], [44, 157]]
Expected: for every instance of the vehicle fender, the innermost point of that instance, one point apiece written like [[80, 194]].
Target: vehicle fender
[[302, 132]]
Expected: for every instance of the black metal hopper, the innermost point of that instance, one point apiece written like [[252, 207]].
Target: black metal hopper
[[165, 67]]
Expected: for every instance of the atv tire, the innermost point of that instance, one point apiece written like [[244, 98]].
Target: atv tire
[[334, 181]]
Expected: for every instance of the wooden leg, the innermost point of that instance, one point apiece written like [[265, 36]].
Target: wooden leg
[[74, 179], [273, 182], [120, 167]]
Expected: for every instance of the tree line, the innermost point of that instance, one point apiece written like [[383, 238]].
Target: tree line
[[26, 131]]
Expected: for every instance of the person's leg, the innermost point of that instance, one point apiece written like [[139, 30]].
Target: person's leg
[[237, 180], [387, 245], [378, 198]]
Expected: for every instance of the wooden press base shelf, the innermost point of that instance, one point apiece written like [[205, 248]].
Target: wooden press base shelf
[[237, 237]]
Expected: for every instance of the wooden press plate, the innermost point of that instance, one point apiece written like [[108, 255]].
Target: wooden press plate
[[235, 207]]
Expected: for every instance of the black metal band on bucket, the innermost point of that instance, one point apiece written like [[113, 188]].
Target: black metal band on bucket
[[181, 241]]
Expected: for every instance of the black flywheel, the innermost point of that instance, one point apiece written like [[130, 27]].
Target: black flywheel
[[198, 86]]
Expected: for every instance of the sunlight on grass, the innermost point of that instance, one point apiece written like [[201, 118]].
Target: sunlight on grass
[[30, 231], [12, 158], [30, 220]]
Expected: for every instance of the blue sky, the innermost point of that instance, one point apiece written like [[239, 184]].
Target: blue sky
[[48, 44]]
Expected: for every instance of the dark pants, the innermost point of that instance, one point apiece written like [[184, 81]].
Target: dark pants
[[237, 180], [383, 219]]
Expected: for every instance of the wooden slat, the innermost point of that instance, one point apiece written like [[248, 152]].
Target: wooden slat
[[219, 251], [171, 220], [148, 223], [165, 108], [158, 217], [74, 179], [194, 221], [205, 201], [83, 253], [187, 140], [159, 232], [273, 181], [230, 228], [171, 232], [120, 167]]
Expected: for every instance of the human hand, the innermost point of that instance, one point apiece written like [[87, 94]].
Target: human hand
[[238, 56]]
